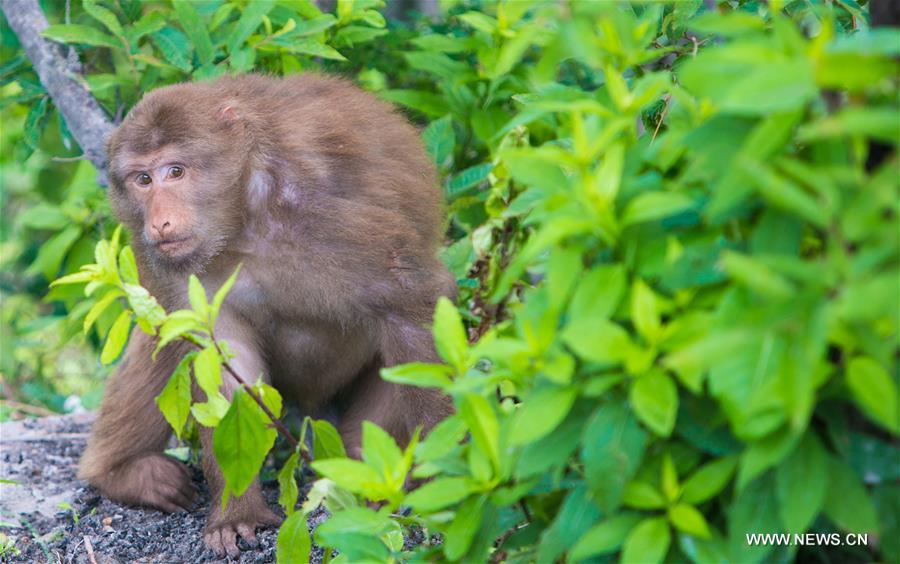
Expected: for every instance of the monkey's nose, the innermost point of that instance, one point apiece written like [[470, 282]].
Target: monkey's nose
[[162, 227]]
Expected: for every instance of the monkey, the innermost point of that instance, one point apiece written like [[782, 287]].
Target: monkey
[[326, 197]]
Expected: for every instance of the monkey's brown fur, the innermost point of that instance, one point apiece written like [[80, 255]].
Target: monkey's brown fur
[[327, 198]]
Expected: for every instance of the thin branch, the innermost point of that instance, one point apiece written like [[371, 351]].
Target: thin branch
[[279, 425], [85, 118]]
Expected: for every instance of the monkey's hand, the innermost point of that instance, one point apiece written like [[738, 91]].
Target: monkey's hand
[[155, 480], [241, 518]]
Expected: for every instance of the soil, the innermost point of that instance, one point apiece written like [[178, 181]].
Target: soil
[[53, 517]]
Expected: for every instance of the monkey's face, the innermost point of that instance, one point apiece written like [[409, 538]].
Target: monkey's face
[[175, 177]]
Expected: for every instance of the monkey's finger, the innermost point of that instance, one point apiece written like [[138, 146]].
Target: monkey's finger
[[168, 506], [190, 492], [213, 540], [248, 533], [173, 495], [182, 468], [229, 541]]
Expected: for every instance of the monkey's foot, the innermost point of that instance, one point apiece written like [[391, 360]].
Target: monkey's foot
[[154, 480], [222, 532]]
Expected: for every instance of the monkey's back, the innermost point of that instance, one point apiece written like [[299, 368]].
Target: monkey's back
[[347, 143]]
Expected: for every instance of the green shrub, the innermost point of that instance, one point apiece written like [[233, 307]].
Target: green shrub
[[678, 261]]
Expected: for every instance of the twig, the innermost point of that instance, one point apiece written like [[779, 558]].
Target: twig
[[87, 121], [69, 159], [661, 117], [276, 422], [24, 407], [90, 549]]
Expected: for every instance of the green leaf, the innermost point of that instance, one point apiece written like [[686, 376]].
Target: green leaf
[[598, 293], [450, 335], [208, 371], [82, 34], [541, 412], [99, 307], [149, 23], [356, 531], [128, 266], [175, 47], [654, 398], [755, 275], [440, 139], [193, 25], [177, 324], [653, 206], [641, 495], [609, 174], [874, 391], [801, 484], [287, 485], [604, 537], [596, 340], [145, 306], [209, 413], [116, 338], [269, 396], [461, 182], [197, 297], [686, 518], [438, 494], [612, 448], [380, 451], [847, 504], [327, 441], [43, 215], [708, 480], [482, 423], [428, 103], [175, 400], [241, 442], [462, 529], [221, 294], [52, 253], [419, 374], [754, 509], [352, 475], [442, 439], [647, 542], [104, 16], [293, 544], [313, 48], [875, 122], [645, 312], [576, 515], [250, 20]]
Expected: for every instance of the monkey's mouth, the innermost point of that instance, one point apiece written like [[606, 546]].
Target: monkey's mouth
[[176, 246]]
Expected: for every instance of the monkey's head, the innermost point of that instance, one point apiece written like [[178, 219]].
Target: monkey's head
[[177, 166]]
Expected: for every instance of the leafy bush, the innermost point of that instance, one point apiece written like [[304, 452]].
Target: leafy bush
[[677, 254]]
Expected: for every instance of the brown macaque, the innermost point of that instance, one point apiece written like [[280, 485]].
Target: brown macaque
[[327, 198]]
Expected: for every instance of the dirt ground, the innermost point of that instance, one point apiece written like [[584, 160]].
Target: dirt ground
[[54, 517]]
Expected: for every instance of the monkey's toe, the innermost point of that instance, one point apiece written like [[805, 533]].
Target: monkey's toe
[[223, 541], [222, 538]]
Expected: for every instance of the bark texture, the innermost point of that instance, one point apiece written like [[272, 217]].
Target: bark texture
[[87, 121]]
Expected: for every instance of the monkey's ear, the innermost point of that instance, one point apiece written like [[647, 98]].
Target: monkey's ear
[[228, 113]]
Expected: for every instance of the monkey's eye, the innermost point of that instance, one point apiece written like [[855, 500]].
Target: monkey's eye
[[176, 172], [143, 179]]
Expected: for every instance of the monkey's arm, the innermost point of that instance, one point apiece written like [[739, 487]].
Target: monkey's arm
[[243, 514], [124, 457]]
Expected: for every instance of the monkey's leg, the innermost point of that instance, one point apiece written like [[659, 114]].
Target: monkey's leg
[[243, 514], [396, 408], [124, 457]]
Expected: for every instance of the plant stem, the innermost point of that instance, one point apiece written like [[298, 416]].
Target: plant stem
[[278, 424]]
